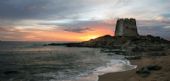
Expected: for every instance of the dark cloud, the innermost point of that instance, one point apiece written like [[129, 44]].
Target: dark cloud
[[20, 9], [74, 26], [77, 30], [166, 15], [38, 9], [156, 28], [74, 23], [79, 26]]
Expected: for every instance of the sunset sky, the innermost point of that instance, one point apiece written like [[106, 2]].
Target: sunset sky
[[79, 20]]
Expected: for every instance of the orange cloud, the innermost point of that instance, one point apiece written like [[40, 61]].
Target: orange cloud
[[53, 34], [61, 35]]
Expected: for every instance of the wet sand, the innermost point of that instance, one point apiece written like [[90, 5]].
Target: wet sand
[[131, 75]]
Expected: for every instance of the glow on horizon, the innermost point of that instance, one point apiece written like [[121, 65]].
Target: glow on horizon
[[60, 35]]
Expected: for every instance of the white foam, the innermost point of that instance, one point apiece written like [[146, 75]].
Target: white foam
[[113, 66]]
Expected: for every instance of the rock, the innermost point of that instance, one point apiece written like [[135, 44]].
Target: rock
[[133, 57], [154, 67], [143, 72], [157, 54], [146, 71], [10, 72]]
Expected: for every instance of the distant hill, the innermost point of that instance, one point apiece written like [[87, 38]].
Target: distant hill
[[140, 45], [108, 41]]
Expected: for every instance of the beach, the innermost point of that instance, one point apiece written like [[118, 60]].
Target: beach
[[160, 75]]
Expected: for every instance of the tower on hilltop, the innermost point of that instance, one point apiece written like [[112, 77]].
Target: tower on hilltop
[[126, 27]]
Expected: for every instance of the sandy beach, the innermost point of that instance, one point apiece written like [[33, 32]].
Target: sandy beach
[[160, 75]]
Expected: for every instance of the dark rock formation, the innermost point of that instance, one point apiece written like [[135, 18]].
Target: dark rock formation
[[133, 57], [126, 27], [129, 46], [143, 72], [108, 41], [10, 72], [146, 71]]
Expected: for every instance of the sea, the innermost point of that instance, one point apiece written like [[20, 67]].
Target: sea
[[32, 61]]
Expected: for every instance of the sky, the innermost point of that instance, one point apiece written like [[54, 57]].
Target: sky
[[79, 20]]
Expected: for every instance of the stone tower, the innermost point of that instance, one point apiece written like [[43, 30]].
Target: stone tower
[[126, 27]]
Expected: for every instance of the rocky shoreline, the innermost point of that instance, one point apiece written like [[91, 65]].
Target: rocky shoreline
[[149, 68], [151, 55], [129, 46]]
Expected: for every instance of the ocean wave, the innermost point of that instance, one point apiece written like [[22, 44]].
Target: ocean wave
[[114, 65]]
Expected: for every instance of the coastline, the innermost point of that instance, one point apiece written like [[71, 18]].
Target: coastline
[[131, 75]]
